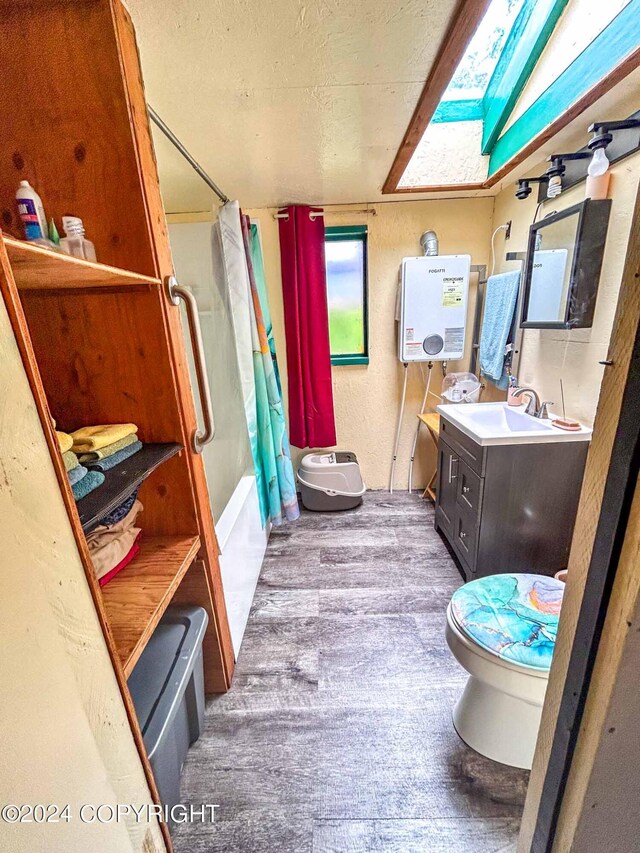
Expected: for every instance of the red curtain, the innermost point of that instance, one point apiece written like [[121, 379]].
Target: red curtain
[[304, 288]]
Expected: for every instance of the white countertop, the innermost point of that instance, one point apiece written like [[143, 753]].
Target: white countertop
[[499, 423]]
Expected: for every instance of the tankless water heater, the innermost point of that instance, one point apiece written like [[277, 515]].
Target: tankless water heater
[[433, 308]]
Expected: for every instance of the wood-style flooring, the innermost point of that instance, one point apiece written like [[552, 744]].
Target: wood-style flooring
[[336, 736]]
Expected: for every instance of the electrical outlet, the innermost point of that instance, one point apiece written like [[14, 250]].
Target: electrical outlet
[[507, 232]]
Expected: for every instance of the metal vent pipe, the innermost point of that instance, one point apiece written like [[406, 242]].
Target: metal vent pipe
[[429, 243]]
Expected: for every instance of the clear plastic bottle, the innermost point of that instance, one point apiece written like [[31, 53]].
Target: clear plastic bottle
[[31, 212], [75, 243]]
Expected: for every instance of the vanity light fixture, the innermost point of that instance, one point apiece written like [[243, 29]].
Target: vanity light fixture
[[524, 190]]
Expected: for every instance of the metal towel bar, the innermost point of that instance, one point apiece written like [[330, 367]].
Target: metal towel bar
[[176, 293]]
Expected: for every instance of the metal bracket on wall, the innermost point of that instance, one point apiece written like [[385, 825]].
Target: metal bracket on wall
[[481, 269], [517, 333]]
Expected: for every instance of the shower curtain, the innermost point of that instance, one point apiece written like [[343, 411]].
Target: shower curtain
[[258, 368]]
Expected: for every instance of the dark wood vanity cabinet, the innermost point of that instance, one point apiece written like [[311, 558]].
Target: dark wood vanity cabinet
[[508, 507]]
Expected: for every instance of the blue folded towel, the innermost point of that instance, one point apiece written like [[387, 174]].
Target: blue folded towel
[[500, 300], [87, 484], [76, 474], [116, 458]]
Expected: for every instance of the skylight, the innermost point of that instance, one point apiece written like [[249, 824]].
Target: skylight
[[472, 75], [517, 77]]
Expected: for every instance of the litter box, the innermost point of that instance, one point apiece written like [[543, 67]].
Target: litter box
[[330, 481]]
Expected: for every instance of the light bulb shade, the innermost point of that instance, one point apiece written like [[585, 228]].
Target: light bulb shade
[[599, 163]]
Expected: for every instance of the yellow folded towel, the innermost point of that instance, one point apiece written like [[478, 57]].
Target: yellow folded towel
[[91, 438], [65, 441], [109, 449], [70, 460]]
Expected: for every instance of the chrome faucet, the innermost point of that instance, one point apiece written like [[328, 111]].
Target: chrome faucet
[[534, 407]]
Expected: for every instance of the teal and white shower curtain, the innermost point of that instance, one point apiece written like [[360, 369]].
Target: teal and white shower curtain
[[236, 248]]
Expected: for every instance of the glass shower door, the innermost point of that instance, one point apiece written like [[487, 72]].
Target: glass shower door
[[228, 457]]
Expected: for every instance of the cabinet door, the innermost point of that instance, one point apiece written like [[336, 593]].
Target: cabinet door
[[465, 538], [447, 487], [468, 489]]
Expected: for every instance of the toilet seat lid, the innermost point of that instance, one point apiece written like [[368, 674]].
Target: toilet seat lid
[[512, 616]]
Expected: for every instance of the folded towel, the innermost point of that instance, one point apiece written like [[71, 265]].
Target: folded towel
[[135, 550], [103, 535], [109, 450], [70, 460], [108, 556], [116, 459], [499, 305], [87, 484], [65, 441], [76, 474], [91, 438], [120, 511]]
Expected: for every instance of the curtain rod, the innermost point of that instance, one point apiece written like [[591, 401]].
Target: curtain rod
[[190, 160], [313, 214]]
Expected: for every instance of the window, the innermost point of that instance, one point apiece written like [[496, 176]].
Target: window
[[346, 263]]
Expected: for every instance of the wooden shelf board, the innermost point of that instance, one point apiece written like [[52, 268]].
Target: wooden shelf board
[[37, 268], [121, 481], [138, 596]]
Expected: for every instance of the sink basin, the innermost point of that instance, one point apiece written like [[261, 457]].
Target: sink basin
[[498, 423]]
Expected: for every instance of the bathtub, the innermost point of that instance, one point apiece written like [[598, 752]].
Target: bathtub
[[243, 542]]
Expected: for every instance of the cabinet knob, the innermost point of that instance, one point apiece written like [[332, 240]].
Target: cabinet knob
[[466, 489], [463, 535]]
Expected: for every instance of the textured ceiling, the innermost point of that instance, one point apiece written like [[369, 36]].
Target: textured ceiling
[[285, 101]]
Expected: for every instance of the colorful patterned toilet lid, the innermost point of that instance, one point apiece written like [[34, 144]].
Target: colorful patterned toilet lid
[[513, 616]]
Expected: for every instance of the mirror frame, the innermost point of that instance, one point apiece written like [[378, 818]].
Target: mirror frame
[[586, 263]]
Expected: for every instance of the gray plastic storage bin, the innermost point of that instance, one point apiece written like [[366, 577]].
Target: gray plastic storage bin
[[167, 688], [330, 481]]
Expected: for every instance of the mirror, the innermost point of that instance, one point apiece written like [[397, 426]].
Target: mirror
[[563, 264]]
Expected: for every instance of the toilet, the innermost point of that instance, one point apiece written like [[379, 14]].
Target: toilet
[[502, 631]]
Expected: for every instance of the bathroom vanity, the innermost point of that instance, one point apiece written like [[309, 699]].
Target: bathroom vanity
[[508, 486]]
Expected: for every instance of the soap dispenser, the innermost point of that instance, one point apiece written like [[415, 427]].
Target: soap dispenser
[[75, 243]]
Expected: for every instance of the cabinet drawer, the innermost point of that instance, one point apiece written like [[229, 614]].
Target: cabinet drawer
[[468, 451], [469, 488]]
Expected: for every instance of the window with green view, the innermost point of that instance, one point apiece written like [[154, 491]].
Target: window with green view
[[346, 263]]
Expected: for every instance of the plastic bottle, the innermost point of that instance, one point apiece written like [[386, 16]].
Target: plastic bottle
[[31, 212], [75, 243]]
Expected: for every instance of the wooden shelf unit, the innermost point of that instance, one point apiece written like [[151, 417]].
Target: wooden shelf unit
[[37, 268], [138, 596], [102, 343]]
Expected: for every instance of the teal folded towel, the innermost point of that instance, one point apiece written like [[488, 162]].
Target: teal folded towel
[[111, 461], [76, 474], [500, 300], [87, 484]]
